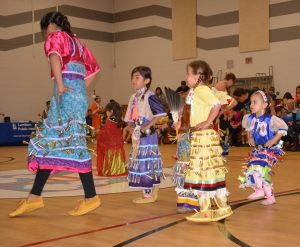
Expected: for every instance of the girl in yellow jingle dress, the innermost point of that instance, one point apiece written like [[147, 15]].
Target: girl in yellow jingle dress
[[204, 181]]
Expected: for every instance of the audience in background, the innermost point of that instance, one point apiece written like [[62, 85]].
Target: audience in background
[[96, 111], [243, 98], [160, 95], [89, 117], [235, 116], [290, 113], [272, 94], [226, 83], [297, 97], [230, 122], [287, 99], [183, 88], [273, 99]]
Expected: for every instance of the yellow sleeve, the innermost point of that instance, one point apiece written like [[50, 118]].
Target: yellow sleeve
[[206, 95], [223, 96]]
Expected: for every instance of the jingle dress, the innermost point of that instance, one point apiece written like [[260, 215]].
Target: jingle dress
[[59, 143]]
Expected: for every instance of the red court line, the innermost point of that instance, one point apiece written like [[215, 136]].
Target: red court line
[[129, 223], [96, 230]]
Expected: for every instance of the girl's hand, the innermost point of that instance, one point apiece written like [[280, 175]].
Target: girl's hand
[[145, 127], [61, 91], [269, 143], [127, 131], [202, 125], [251, 142]]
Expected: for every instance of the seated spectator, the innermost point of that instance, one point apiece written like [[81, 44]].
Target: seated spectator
[[272, 93], [278, 110], [287, 116], [287, 98], [183, 88], [273, 99], [89, 117], [291, 115]]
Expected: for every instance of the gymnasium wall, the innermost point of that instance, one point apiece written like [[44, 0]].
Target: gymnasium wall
[[25, 83], [217, 42], [126, 33]]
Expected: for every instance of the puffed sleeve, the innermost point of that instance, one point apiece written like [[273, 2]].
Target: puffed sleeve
[[222, 96], [278, 125], [58, 43], [156, 106], [246, 122], [207, 95], [91, 65]]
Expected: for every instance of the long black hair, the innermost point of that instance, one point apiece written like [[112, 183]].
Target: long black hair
[[57, 18], [160, 90], [145, 73], [117, 112]]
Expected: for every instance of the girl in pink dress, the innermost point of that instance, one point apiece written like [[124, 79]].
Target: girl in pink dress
[[59, 143]]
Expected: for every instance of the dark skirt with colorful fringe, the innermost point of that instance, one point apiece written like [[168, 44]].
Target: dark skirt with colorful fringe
[[146, 170], [261, 160]]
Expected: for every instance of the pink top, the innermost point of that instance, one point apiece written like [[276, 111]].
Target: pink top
[[70, 49]]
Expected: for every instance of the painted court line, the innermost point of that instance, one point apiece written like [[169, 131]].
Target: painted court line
[[221, 226], [130, 223], [96, 230]]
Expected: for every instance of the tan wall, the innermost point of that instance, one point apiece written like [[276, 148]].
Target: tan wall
[[25, 84], [157, 52]]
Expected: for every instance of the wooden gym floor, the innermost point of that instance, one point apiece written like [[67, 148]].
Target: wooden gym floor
[[119, 222]]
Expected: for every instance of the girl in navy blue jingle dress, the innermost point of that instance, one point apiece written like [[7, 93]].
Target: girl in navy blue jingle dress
[[144, 110]]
